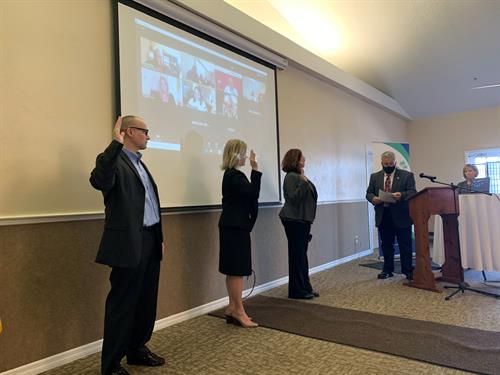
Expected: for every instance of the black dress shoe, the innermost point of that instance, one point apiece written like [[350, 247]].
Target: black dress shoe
[[409, 276], [315, 294], [145, 359], [119, 371], [384, 275], [304, 296]]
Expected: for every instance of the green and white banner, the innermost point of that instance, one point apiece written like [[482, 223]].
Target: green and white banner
[[401, 150]]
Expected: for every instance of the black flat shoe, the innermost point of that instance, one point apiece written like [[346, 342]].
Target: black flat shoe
[[384, 275], [119, 371], [305, 296], [315, 294], [145, 359]]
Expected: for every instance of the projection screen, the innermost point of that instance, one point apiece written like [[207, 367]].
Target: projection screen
[[194, 94]]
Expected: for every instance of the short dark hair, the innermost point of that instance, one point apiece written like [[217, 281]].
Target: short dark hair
[[128, 121], [291, 160]]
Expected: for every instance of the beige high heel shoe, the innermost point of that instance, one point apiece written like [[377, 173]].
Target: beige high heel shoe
[[237, 321], [228, 316], [229, 319]]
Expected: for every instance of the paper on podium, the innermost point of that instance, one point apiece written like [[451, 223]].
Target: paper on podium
[[386, 197]]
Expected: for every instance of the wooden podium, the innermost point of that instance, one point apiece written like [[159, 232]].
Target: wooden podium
[[441, 201]]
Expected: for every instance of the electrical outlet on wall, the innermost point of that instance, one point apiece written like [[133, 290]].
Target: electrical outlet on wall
[[357, 241]]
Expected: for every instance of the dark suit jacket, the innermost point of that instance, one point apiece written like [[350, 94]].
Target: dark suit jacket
[[404, 182], [239, 199], [301, 199], [124, 194]]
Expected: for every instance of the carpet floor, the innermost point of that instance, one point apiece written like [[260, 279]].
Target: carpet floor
[[446, 345], [379, 265]]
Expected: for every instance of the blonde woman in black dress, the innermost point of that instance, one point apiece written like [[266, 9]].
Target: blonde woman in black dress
[[239, 213]]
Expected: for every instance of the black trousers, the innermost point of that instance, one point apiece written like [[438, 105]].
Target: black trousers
[[297, 234], [131, 305], [388, 231]]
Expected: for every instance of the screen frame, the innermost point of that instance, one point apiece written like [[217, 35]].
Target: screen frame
[[164, 18]]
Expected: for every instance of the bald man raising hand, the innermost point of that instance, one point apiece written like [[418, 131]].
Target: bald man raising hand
[[132, 245]]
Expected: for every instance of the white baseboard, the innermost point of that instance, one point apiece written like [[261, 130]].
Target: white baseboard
[[338, 262], [57, 360], [63, 358]]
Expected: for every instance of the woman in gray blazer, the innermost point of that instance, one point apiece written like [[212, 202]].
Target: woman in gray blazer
[[297, 215]]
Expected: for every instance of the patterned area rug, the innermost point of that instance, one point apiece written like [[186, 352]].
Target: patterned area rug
[[446, 345]]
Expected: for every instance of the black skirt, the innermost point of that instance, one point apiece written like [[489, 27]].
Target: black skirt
[[235, 257]]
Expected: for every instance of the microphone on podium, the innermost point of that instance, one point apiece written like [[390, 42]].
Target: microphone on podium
[[432, 178]]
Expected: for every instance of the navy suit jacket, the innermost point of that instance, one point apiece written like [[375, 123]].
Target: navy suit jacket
[[124, 195], [404, 182]]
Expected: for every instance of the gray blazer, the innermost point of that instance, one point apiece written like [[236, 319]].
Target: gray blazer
[[301, 199]]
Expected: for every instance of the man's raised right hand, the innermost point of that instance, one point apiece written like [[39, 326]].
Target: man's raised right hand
[[118, 133]]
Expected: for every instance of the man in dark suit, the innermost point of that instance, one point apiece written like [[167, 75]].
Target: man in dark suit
[[132, 244], [393, 218]]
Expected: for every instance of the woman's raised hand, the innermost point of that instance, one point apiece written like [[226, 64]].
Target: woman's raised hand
[[253, 161]]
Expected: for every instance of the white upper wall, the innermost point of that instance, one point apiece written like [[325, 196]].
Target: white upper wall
[[225, 15]]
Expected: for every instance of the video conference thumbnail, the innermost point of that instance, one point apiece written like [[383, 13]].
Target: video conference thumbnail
[[185, 80]]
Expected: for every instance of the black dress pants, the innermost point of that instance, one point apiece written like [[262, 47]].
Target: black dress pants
[[297, 234], [131, 305], [389, 231]]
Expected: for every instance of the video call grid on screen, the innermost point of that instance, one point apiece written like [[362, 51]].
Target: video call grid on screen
[[194, 96]]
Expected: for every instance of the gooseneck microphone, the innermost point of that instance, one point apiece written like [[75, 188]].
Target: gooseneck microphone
[[432, 178]]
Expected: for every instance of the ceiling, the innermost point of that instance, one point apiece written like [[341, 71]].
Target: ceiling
[[427, 55]]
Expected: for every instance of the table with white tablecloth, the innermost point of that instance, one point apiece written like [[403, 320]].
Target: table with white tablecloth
[[479, 231]]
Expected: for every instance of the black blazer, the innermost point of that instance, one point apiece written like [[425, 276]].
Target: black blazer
[[124, 195], [404, 182], [239, 199]]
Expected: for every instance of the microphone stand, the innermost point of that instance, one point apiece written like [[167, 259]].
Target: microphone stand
[[462, 286]]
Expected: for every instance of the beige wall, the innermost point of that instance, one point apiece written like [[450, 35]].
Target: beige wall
[[332, 128], [51, 293], [438, 144]]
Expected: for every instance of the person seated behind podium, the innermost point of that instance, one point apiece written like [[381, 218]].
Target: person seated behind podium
[[393, 219], [239, 213], [470, 172]]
